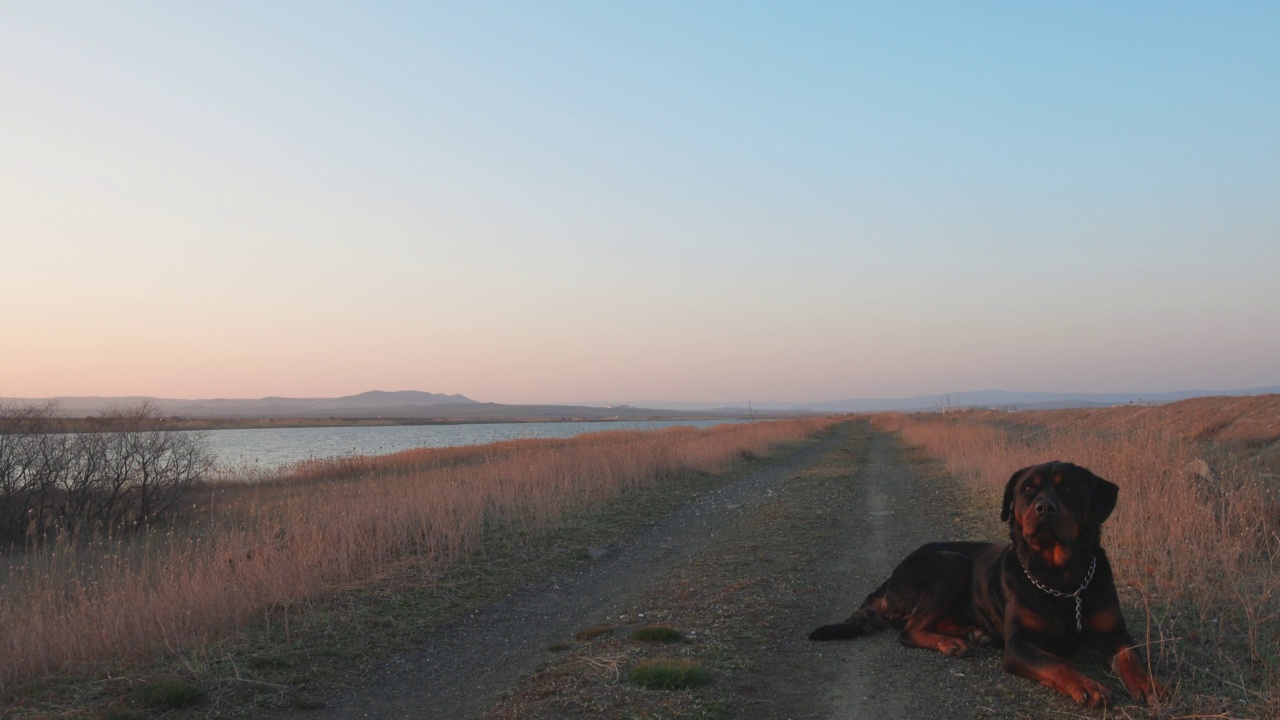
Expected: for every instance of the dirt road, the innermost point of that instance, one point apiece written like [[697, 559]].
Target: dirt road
[[744, 572]]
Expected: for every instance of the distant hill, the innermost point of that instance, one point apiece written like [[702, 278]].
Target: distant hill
[[405, 405], [374, 403], [977, 398], [412, 404], [1020, 400]]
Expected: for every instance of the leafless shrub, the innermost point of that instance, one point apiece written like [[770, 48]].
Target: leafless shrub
[[127, 471], [32, 457]]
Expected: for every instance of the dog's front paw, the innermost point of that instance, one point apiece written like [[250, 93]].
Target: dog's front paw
[[1142, 687], [953, 647], [1089, 693]]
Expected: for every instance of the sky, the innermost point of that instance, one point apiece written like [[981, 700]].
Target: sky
[[582, 201]]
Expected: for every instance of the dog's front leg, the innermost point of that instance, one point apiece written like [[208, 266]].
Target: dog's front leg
[[1024, 658], [1139, 683], [1109, 625]]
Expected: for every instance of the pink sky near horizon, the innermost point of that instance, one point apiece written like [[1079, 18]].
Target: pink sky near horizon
[[585, 203]]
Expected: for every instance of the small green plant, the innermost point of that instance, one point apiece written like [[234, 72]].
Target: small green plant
[[657, 633], [668, 674], [168, 694]]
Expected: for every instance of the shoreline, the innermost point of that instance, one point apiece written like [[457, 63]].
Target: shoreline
[[268, 423]]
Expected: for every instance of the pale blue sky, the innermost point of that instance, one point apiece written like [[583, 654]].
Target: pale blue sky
[[557, 202]]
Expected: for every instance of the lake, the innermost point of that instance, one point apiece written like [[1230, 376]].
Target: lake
[[270, 448]]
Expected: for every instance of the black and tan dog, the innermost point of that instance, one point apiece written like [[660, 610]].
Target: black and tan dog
[[1042, 595]]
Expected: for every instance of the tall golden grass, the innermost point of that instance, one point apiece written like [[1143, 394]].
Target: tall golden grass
[[78, 605], [1197, 554]]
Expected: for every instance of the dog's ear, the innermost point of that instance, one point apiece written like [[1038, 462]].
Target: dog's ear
[[1006, 507], [1104, 498]]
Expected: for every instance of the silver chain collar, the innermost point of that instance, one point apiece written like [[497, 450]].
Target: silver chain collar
[[1093, 565]]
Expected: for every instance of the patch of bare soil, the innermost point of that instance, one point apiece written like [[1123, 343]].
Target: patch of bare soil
[[742, 575]]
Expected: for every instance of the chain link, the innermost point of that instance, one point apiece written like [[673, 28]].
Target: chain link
[[1088, 578]]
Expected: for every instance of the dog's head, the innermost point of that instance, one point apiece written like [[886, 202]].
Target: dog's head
[[1056, 509]]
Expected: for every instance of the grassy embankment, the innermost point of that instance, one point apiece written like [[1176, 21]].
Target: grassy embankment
[[246, 550], [1195, 538]]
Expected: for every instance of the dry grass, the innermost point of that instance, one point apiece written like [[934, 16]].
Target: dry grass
[[1197, 557], [248, 548], [1252, 420]]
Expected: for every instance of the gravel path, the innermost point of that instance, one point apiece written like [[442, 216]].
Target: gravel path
[[472, 662]]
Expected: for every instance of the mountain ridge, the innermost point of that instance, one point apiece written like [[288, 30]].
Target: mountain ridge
[[973, 398], [415, 403], [376, 402]]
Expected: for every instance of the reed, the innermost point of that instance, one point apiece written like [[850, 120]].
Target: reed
[[81, 605], [1197, 556]]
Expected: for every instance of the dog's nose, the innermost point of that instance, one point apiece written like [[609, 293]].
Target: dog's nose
[[1046, 507]]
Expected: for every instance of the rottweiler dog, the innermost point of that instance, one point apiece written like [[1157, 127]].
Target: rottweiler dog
[[1040, 596]]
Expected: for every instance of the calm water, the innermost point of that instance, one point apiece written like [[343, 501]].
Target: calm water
[[270, 448]]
